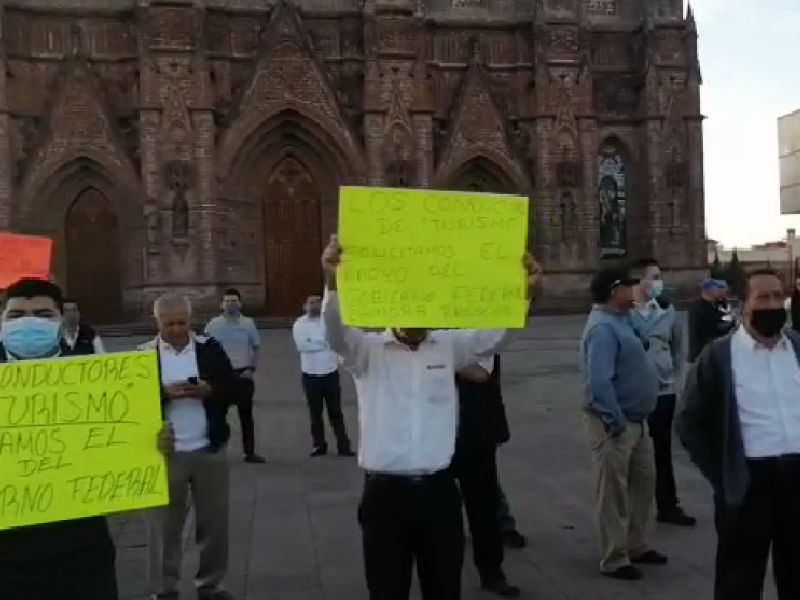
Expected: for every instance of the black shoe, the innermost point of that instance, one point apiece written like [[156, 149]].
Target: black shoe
[[218, 595], [626, 573], [501, 587], [514, 539], [254, 459], [651, 557], [319, 451], [676, 516], [346, 451]]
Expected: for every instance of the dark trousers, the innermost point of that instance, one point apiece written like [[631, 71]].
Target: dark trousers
[[768, 518], [660, 425], [88, 575], [404, 520], [245, 391], [476, 471], [505, 518], [325, 391]]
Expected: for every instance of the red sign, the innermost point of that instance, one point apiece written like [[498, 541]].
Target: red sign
[[23, 256]]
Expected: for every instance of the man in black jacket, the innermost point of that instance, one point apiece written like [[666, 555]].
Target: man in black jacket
[[482, 426], [198, 383], [741, 427], [77, 334], [66, 560], [709, 316]]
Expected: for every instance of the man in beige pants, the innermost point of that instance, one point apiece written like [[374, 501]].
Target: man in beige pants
[[197, 380], [621, 389]]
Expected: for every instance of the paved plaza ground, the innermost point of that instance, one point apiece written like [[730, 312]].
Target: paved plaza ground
[[293, 529]]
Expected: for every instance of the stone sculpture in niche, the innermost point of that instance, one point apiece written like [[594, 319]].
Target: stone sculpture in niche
[[152, 218], [178, 179]]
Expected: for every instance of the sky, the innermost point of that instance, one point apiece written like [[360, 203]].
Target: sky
[[750, 59]]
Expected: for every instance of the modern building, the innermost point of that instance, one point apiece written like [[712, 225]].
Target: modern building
[[192, 145], [789, 156]]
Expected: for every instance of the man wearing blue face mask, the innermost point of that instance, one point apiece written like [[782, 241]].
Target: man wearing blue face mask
[[657, 324], [67, 560]]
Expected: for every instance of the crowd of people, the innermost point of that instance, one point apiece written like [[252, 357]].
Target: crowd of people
[[431, 418], [738, 419]]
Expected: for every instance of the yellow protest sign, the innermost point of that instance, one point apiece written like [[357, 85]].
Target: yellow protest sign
[[78, 438], [426, 258]]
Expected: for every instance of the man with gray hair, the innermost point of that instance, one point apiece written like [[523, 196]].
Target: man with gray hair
[[196, 378]]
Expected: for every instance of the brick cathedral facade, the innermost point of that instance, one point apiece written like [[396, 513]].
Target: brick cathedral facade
[[193, 145]]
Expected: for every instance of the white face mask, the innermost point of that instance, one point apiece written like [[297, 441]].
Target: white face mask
[[656, 288]]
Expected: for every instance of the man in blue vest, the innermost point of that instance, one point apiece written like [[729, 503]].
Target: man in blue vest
[[67, 560]]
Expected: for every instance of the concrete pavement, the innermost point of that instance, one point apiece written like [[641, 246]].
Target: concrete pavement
[[293, 529]]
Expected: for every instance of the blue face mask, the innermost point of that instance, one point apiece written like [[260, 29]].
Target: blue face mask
[[31, 337], [232, 309], [656, 288]]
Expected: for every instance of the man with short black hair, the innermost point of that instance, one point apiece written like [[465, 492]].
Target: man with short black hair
[[77, 334], [65, 560], [239, 337], [741, 427], [621, 388], [656, 323]]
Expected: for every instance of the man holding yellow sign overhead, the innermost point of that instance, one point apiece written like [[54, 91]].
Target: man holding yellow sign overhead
[[405, 383], [64, 560]]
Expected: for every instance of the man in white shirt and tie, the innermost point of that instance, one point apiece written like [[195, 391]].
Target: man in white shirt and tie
[[410, 510], [320, 368], [741, 427]]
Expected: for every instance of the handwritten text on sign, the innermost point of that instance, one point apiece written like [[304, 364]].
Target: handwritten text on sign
[[78, 438], [425, 258]]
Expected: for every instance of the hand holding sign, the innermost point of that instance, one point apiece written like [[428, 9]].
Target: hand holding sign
[[331, 259], [534, 271]]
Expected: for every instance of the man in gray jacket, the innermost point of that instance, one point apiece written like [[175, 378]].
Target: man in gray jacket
[[659, 328], [741, 427], [621, 388]]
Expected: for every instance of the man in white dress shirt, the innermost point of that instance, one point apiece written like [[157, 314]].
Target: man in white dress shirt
[[320, 369], [410, 510], [741, 427], [197, 384]]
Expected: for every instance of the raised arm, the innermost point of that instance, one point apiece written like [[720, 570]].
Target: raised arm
[[601, 350], [348, 342]]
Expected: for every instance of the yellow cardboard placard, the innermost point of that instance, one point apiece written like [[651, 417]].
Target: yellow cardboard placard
[[78, 438], [436, 259]]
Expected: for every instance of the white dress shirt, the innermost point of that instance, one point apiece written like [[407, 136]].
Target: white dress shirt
[[186, 415], [767, 383], [407, 399], [316, 356]]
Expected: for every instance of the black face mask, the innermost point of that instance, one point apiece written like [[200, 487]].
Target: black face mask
[[768, 322]]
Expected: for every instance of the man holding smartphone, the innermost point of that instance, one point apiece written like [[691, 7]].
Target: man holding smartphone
[[197, 380]]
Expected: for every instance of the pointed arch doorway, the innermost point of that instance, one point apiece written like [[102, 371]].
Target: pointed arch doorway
[[292, 236], [481, 175], [93, 259]]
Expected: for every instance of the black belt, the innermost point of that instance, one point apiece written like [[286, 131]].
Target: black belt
[[412, 479], [782, 460]]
